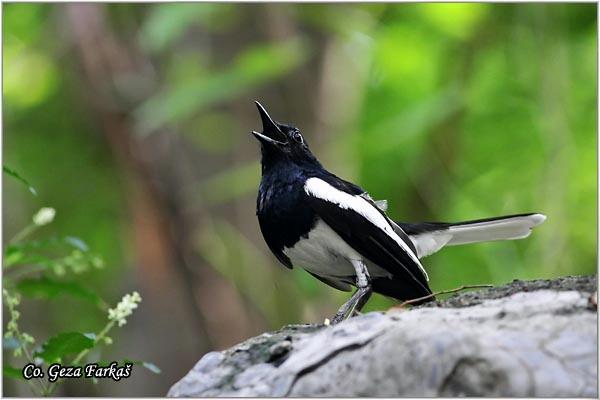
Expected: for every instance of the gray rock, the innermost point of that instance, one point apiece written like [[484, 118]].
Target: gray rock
[[527, 338]]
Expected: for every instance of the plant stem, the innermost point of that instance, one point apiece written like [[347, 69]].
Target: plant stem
[[82, 354], [100, 336], [23, 233], [23, 346], [29, 357], [458, 289]]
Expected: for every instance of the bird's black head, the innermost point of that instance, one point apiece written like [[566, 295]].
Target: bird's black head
[[281, 142]]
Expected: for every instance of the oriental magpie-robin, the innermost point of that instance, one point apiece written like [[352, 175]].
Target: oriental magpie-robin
[[333, 229]]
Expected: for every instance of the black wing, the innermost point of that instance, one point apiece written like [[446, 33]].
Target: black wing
[[374, 244]]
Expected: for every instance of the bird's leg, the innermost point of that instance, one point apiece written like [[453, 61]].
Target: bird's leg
[[360, 297]]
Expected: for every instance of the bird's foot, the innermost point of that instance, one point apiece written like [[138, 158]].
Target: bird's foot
[[353, 306]]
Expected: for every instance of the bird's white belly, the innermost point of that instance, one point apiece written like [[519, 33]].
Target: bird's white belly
[[325, 253]]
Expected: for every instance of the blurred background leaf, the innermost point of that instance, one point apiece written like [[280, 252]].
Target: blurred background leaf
[[18, 177], [46, 288], [12, 372], [252, 67]]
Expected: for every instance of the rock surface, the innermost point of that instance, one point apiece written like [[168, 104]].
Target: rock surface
[[527, 338]]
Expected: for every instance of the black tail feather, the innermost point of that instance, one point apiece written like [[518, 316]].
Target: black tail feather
[[422, 227]]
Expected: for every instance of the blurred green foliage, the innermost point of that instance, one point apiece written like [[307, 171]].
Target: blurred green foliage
[[449, 111], [24, 258]]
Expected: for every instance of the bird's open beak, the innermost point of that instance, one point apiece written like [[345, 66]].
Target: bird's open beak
[[271, 132]]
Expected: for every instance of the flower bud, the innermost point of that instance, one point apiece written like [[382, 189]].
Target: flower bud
[[44, 216]]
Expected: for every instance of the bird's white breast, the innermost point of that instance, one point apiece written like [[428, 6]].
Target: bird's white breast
[[325, 253]]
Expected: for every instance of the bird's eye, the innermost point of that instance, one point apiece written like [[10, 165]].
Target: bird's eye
[[298, 137]]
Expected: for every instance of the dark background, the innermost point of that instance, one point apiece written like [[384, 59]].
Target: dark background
[[132, 122]]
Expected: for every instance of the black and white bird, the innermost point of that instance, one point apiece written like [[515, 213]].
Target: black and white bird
[[333, 229]]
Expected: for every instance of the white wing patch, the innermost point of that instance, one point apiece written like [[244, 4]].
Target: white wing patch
[[324, 191]]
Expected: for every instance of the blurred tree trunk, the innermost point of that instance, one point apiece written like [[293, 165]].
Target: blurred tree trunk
[[165, 260]]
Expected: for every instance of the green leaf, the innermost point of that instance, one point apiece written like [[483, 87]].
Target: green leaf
[[12, 372], [46, 288], [64, 344], [168, 22], [24, 253], [20, 258], [15, 174], [12, 256]]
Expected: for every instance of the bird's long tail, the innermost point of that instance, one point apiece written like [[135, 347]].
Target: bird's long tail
[[429, 237]]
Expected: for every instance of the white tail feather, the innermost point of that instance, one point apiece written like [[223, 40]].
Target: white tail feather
[[518, 227], [503, 229]]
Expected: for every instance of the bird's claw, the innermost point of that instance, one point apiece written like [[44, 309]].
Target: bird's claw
[[338, 317]]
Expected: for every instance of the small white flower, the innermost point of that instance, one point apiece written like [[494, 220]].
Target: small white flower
[[27, 338], [97, 262], [124, 308], [44, 216]]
